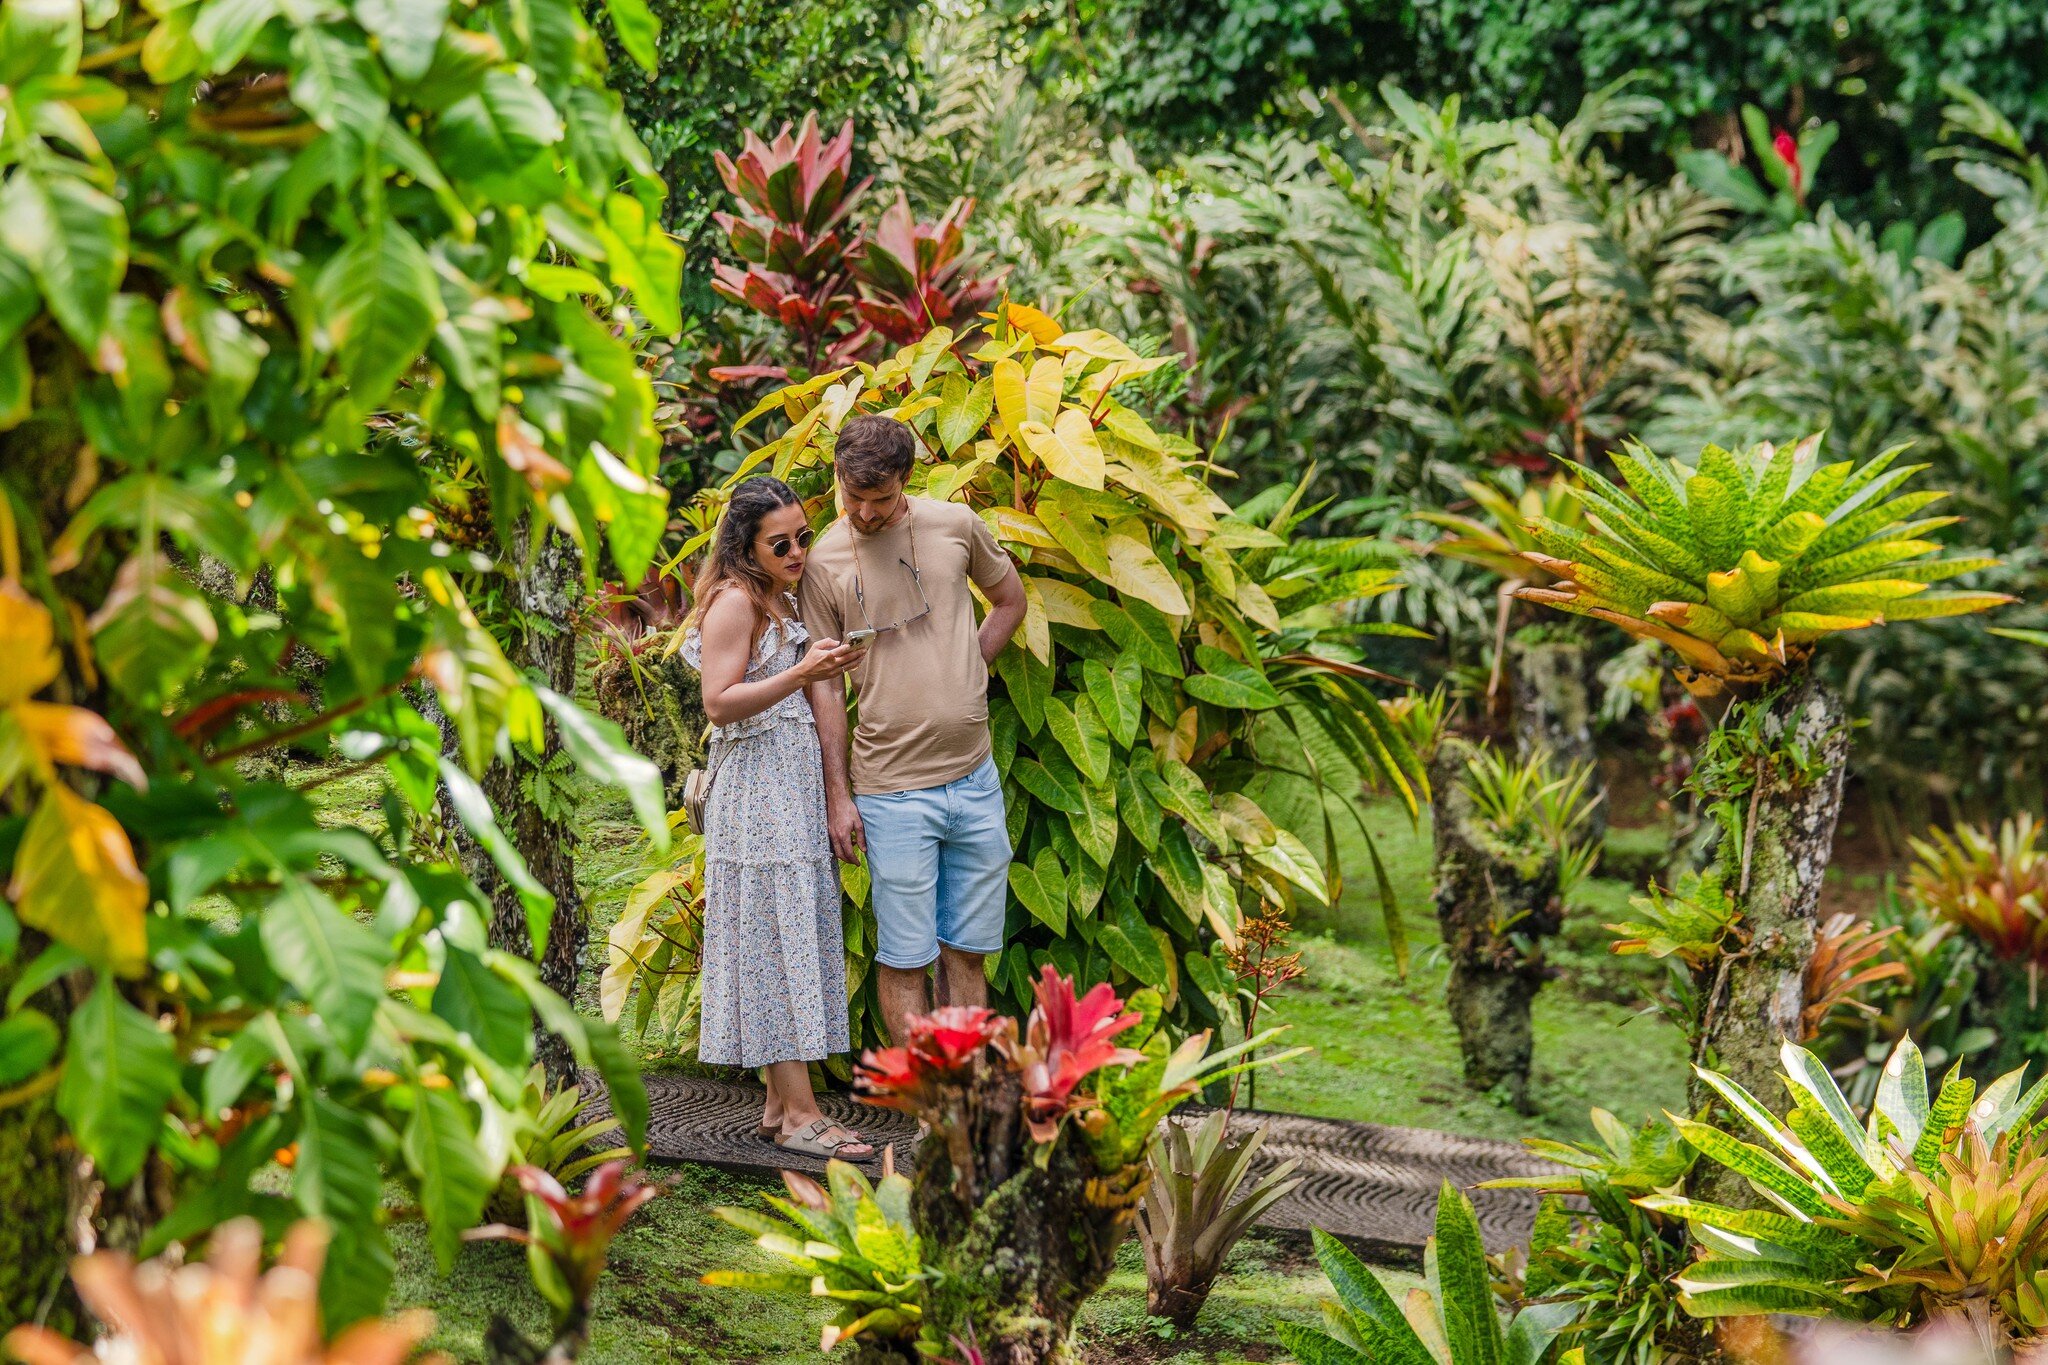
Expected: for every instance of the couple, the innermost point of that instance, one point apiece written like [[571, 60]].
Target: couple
[[882, 597]]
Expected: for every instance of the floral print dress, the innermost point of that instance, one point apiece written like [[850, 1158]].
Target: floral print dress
[[773, 981]]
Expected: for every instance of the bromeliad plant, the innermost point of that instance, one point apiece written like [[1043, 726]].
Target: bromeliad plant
[[1929, 1204], [1025, 1187], [1741, 563], [1455, 1313], [1163, 635], [568, 1239], [254, 259], [1994, 887]]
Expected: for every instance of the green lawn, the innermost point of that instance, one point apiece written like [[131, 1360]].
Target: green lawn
[[1383, 1050]]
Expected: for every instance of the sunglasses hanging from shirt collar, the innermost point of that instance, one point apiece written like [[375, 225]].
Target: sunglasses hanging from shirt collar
[[860, 595]]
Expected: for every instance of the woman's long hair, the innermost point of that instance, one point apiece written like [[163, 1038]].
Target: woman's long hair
[[731, 563]]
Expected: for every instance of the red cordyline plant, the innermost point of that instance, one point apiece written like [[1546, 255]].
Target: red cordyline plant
[[568, 1239], [834, 286]]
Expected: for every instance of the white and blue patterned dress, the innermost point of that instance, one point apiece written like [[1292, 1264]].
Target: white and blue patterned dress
[[773, 984]]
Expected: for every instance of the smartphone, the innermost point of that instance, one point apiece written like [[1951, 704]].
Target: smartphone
[[860, 639]]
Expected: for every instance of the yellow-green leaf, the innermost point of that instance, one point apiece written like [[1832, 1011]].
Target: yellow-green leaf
[[1007, 385], [1042, 390], [1067, 449], [1135, 571], [75, 879]]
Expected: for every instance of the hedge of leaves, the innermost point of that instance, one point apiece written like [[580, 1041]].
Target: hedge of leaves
[[1164, 634], [254, 257]]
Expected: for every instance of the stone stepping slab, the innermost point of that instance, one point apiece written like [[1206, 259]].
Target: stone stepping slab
[[1371, 1184]]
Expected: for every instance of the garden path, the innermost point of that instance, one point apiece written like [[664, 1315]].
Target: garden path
[[1371, 1184]]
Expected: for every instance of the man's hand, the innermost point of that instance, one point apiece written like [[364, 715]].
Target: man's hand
[[842, 820]]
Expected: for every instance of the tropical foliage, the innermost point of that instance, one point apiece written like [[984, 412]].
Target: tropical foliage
[[1164, 635], [1028, 1181], [1197, 1205], [1456, 1313], [1992, 886], [1740, 562], [1936, 1200], [254, 262]]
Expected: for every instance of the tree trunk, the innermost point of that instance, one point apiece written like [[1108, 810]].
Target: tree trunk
[[37, 1170], [655, 698], [1784, 797], [1018, 1248], [1495, 902], [543, 645], [1549, 678]]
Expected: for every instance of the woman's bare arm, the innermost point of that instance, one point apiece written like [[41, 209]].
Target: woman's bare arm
[[726, 644]]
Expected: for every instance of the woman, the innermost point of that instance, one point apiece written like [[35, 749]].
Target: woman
[[774, 967]]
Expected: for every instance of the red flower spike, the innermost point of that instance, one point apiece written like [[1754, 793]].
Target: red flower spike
[[1788, 152]]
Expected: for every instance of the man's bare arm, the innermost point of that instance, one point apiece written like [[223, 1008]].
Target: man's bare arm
[[1005, 614], [842, 817]]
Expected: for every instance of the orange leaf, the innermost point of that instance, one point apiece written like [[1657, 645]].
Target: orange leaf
[[1039, 326], [526, 456], [78, 738]]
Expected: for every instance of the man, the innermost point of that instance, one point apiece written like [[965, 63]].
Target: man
[[921, 794]]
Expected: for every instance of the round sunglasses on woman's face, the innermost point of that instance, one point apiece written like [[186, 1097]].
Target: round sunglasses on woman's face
[[780, 545]]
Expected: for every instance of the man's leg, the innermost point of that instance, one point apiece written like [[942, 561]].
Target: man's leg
[[904, 992], [962, 978], [974, 879], [903, 832]]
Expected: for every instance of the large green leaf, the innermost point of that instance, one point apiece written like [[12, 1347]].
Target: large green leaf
[[964, 406], [1053, 782], [1371, 1311], [224, 30], [1129, 942], [473, 808], [1073, 722], [1143, 631], [338, 83], [120, 1071], [500, 128], [638, 31], [442, 1150], [380, 304], [599, 749], [330, 959], [1229, 682], [407, 32], [28, 1040], [475, 1000], [74, 240], [153, 631], [1118, 696], [1042, 888]]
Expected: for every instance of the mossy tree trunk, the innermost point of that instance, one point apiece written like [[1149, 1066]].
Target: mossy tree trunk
[[38, 1167], [1780, 797], [1550, 681], [1018, 1249], [1495, 903], [540, 641], [655, 698]]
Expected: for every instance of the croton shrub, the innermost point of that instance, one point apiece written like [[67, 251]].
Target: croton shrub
[[254, 259], [1164, 636]]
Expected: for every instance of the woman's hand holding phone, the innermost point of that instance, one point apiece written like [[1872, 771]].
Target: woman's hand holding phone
[[828, 659]]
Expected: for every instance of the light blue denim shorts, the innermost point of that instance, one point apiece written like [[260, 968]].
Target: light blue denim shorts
[[938, 868]]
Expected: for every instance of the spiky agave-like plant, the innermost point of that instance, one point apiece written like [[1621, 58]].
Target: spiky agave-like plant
[[1741, 562]]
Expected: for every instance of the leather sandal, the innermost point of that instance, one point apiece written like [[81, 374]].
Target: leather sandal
[[811, 1142]]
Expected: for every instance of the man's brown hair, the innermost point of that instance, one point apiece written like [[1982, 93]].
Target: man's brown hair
[[873, 452]]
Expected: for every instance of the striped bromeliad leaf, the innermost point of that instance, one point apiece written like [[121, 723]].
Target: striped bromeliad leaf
[[1740, 562], [1919, 1207]]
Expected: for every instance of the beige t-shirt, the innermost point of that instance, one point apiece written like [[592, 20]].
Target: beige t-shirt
[[922, 690]]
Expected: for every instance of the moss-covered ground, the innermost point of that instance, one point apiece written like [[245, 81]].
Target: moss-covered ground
[[1383, 1051]]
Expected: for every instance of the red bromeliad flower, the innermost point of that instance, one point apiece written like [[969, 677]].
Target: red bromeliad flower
[[1067, 1041], [574, 1231], [1788, 152], [940, 1045]]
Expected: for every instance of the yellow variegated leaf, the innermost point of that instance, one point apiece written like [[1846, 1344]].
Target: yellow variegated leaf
[[1074, 531], [1120, 422], [1037, 627], [1010, 382], [1929, 605], [1042, 389], [75, 879], [1116, 372], [1092, 341], [1135, 570], [1253, 602], [1067, 449], [1804, 627], [1018, 528], [1066, 604]]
